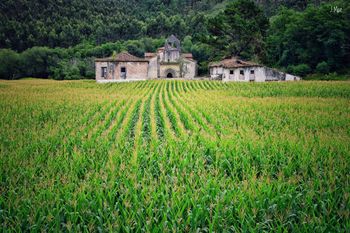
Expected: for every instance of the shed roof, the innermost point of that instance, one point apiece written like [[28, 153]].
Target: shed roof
[[123, 56], [233, 62]]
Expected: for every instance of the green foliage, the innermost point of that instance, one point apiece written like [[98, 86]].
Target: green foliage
[[318, 34], [71, 63], [81, 157], [74, 69], [239, 30], [299, 70], [135, 47], [38, 60], [28, 23], [201, 52], [66, 70], [322, 68], [328, 77], [310, 32], [10, 64]]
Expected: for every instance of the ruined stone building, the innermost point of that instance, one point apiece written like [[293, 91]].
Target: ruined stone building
[[235, 69], [167, 62]]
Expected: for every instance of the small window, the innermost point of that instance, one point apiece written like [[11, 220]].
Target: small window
[[241, 72], [123, 69], [231, 71], [104, 72], [252, 72]]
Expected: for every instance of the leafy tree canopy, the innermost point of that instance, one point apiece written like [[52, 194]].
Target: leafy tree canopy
[[238, 31]]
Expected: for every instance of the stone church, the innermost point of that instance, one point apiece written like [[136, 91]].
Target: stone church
[[167, 62]]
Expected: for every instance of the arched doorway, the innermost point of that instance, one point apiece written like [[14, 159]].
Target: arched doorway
[[170, 73]]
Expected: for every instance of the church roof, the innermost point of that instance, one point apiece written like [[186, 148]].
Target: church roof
[[123, 56], [233, 62], [187, 55], [149, 55]]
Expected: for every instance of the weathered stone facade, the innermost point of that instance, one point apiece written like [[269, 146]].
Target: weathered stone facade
[[123, 66], [167, 62], [170, 62], [234, 69]]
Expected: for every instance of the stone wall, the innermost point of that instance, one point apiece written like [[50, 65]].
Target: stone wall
[[172, 68], [98, 69], [274, 75], [153, 68], [134, 70], [189, 69]]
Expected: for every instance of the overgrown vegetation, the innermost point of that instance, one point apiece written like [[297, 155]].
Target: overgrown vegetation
[[164, 156]]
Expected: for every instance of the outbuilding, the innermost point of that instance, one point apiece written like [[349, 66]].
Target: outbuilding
[[235, 69]]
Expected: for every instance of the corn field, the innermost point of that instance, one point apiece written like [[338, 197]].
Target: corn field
[[174, 156]]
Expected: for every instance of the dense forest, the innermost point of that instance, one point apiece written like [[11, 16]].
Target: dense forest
[[61, 38]]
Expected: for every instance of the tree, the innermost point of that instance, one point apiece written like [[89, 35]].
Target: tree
[[38, 60], [9, 64], [322, 68], [316, 35], [238, 31], [66, 70], [300, 70]]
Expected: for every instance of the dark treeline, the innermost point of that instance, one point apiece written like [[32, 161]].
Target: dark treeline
[[60, 39], [64, 23]]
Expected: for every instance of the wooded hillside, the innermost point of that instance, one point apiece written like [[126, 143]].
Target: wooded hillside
[[63, 23], [300, 36]]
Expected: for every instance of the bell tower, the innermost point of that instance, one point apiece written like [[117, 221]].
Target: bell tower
[[172, 49]]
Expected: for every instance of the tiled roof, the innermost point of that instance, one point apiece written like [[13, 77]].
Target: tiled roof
[[149, 55], [233, 62], [123, 56], [187, 55]]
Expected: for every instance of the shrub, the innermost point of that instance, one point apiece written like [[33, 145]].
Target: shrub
[[322, 68], [66, 70], [300, 70], [9, 64]]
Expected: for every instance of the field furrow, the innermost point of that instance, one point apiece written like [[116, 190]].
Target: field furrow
[[170, 128], [183, 116], [191, 103], [148, 123], [176, 125], [159, 116], [193, 113], [153, 116]]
